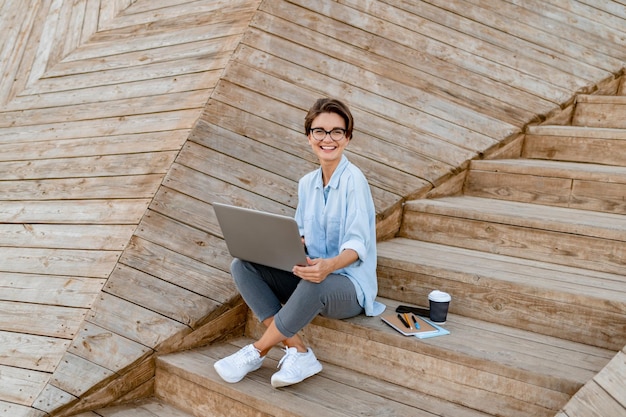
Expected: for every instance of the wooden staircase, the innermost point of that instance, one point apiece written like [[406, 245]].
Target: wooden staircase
[[533, 253]]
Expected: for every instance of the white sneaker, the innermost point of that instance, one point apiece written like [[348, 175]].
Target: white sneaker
[[295, 367], [234, 367]]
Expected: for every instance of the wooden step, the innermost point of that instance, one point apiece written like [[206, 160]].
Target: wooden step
[[565, 184], [579, 238], [569, 303], [576, 144], [148, 407], [188, 380], [600, 111], [485, 366]]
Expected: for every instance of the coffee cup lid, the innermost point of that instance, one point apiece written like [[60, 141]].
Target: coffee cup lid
[[439, 296]]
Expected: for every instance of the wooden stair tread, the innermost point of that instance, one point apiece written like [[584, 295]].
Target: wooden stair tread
[[600, 99], [336, 391], [515, 371], [548, 168], [555, 282], [501, 349], [558, 219], [578, 131], [597, 145]]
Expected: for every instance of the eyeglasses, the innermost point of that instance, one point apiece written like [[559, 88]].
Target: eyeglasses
[[336, 134]]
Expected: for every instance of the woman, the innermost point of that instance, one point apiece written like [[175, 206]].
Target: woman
[[336, 218]]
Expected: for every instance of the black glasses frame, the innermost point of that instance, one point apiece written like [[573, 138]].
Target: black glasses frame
[[319, 130]]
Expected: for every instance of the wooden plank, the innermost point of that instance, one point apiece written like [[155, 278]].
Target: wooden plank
[[209, 189], [17, 21], [557, 219], [151, 407], [529, 57], [52, 398], [600, 111], [489, 61], [565, 248], [600, 173], [417, 118], [175, 120], [90, 166], [594, 145], [374, 55], [194, 398], [324, 69], [147, 327], [191, 211], [551, 282], [76, 375], [593, 401], [42, 320], [213, 282], [469, 386], [138, 186], [242, 174], [110, 211], [25, 60], [185, 240], [518, 187], [159, 86], [517, 23], [158, 295], [27, 351], [96, 146], [137, 377], [146, 104], [105, 348], [16, 410], [540, 297], [605, 197], [21, 386], [611, 378], [566, 24], [87, 237], [205, 13], [64, 291], [77, 263]]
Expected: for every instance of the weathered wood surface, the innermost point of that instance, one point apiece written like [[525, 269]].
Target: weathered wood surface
[[561, 301], [584, 239], [573, 143], [566, 184], [97, 98]]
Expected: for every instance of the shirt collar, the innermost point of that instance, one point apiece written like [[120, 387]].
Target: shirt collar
[[334, 180]]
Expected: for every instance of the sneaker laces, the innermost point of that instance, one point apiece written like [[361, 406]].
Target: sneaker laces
[[291, 355], [246, 356]]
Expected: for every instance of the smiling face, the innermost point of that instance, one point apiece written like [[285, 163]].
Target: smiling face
[[328, 151]]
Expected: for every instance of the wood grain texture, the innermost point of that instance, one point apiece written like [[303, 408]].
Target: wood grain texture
[[122, 121]]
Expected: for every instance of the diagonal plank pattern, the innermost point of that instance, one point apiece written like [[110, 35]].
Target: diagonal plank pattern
[[97, 99], [121, 121]]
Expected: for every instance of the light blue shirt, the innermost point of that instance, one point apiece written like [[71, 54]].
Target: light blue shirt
[[342, 216]]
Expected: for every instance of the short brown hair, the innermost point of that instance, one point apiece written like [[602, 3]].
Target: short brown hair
[[329, 105]]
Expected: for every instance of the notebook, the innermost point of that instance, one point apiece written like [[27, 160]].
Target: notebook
[[420, 328], [260, 237]]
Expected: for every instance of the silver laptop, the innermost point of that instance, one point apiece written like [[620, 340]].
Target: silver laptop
[[260, 237]]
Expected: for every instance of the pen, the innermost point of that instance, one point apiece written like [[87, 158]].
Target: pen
[[406, 318], [417, 325], [403, 321]]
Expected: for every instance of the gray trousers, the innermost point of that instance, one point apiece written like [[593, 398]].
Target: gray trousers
[[293, 302]]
